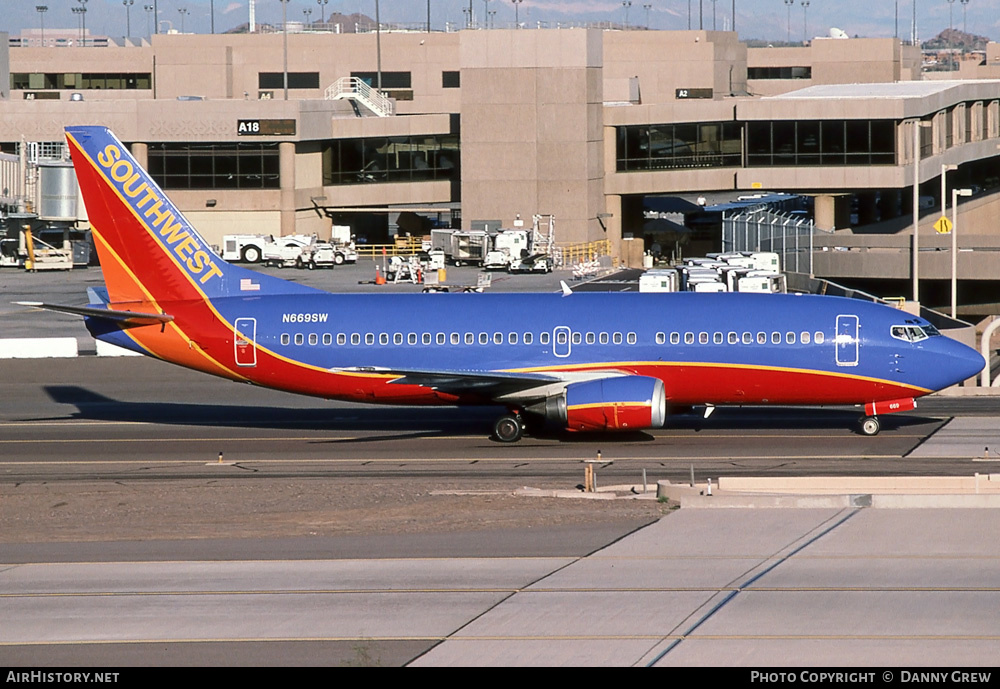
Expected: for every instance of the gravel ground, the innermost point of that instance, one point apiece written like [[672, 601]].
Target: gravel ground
[[81, 511]]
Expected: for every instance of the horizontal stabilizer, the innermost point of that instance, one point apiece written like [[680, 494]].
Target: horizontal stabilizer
[[126, 319]]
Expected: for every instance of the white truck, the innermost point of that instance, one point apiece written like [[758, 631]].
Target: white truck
[[342, 241], [507, 246], [248, 248], [285, 252]]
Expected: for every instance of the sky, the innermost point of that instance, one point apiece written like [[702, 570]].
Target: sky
[[772, 20]]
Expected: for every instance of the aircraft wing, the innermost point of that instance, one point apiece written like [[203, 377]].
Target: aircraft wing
[[497, 385], [126, 319]]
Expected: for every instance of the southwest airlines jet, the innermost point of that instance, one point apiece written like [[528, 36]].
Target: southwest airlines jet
[[581, 361]]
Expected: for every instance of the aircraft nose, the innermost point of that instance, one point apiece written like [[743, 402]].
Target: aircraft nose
[[966, 362]]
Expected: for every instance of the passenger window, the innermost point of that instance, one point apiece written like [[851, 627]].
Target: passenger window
[[512, 338], [544, 338], [441, 338], [775, 338], [591, 338], [285, 339], [369, 339], [313, 339], [355, 339], [327, 339], [804, 337], [484, 338], [425, 339], [528, 338], [661, 338], [747, 338], [411, 339], [717, 338], [383, 338], [761, 338], [702, 338], [456, 339], [616, 338], [341, 339], [675, 338], [497, 338], [299, 339], [470, 338], [397, 338], [790, 338], [631, 338], [577, 338], [818, 338], [688, 338], [734, 338], [561, 337]]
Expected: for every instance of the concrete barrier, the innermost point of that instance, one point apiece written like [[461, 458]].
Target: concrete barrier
[[38, 348], [107, 349]]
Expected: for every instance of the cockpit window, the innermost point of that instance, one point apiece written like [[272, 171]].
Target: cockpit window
[[911, 333]]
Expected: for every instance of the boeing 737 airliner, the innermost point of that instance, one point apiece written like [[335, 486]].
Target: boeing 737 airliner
[[582, 361]]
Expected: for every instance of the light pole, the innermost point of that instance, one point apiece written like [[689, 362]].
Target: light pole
[[183, 12], [148, 9], [378, 45], [915, 270], [307, 12], [713, 14], [955, 193], [805, 20], [322, 10], [965, 27], [42, 9], [895, 33], [211, 13], [647, 7], [788, 29], [951, 36], [517, 19], [83, 15], [128, 19], [284, 46], [79, 12], [626, 4], [945, 169]]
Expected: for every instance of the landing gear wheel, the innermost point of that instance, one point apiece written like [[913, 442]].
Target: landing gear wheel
[[508, 429], [870, 425]]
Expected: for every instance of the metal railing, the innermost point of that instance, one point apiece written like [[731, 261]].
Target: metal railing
[[402, 247], [580, 252], [357, 89], [760, 229]]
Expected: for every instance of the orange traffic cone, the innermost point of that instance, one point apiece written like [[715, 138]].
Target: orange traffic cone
[[379, 280]]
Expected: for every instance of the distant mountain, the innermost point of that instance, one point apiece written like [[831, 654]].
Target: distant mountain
[[347, 22], [953, 38]]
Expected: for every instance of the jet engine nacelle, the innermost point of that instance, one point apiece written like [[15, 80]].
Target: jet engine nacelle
[[619, 403]]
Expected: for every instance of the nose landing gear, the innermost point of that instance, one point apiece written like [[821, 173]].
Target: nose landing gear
[[869, 425]]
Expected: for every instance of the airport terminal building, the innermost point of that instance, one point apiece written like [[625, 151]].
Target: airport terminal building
[[584, 124]]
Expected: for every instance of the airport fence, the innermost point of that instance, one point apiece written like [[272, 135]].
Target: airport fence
[[761, 229], [581, 252], [403, 247]]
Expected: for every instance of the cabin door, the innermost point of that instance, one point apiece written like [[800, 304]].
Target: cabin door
[[244, 337], [847, 340]]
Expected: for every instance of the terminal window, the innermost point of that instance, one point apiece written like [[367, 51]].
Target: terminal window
[[779, 72], [392, 159], [296, 80], [821, 142], [215, 166], [80, 81], [679, 146]]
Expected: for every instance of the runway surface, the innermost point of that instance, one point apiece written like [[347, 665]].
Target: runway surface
[[697, 587]]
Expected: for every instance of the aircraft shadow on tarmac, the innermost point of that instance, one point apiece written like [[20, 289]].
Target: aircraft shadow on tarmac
[[431, 421]]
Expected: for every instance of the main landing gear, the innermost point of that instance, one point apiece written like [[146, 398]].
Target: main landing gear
[[869, 425], [509, 428]]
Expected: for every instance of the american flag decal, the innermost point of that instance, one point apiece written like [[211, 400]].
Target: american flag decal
[[248, 285]]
